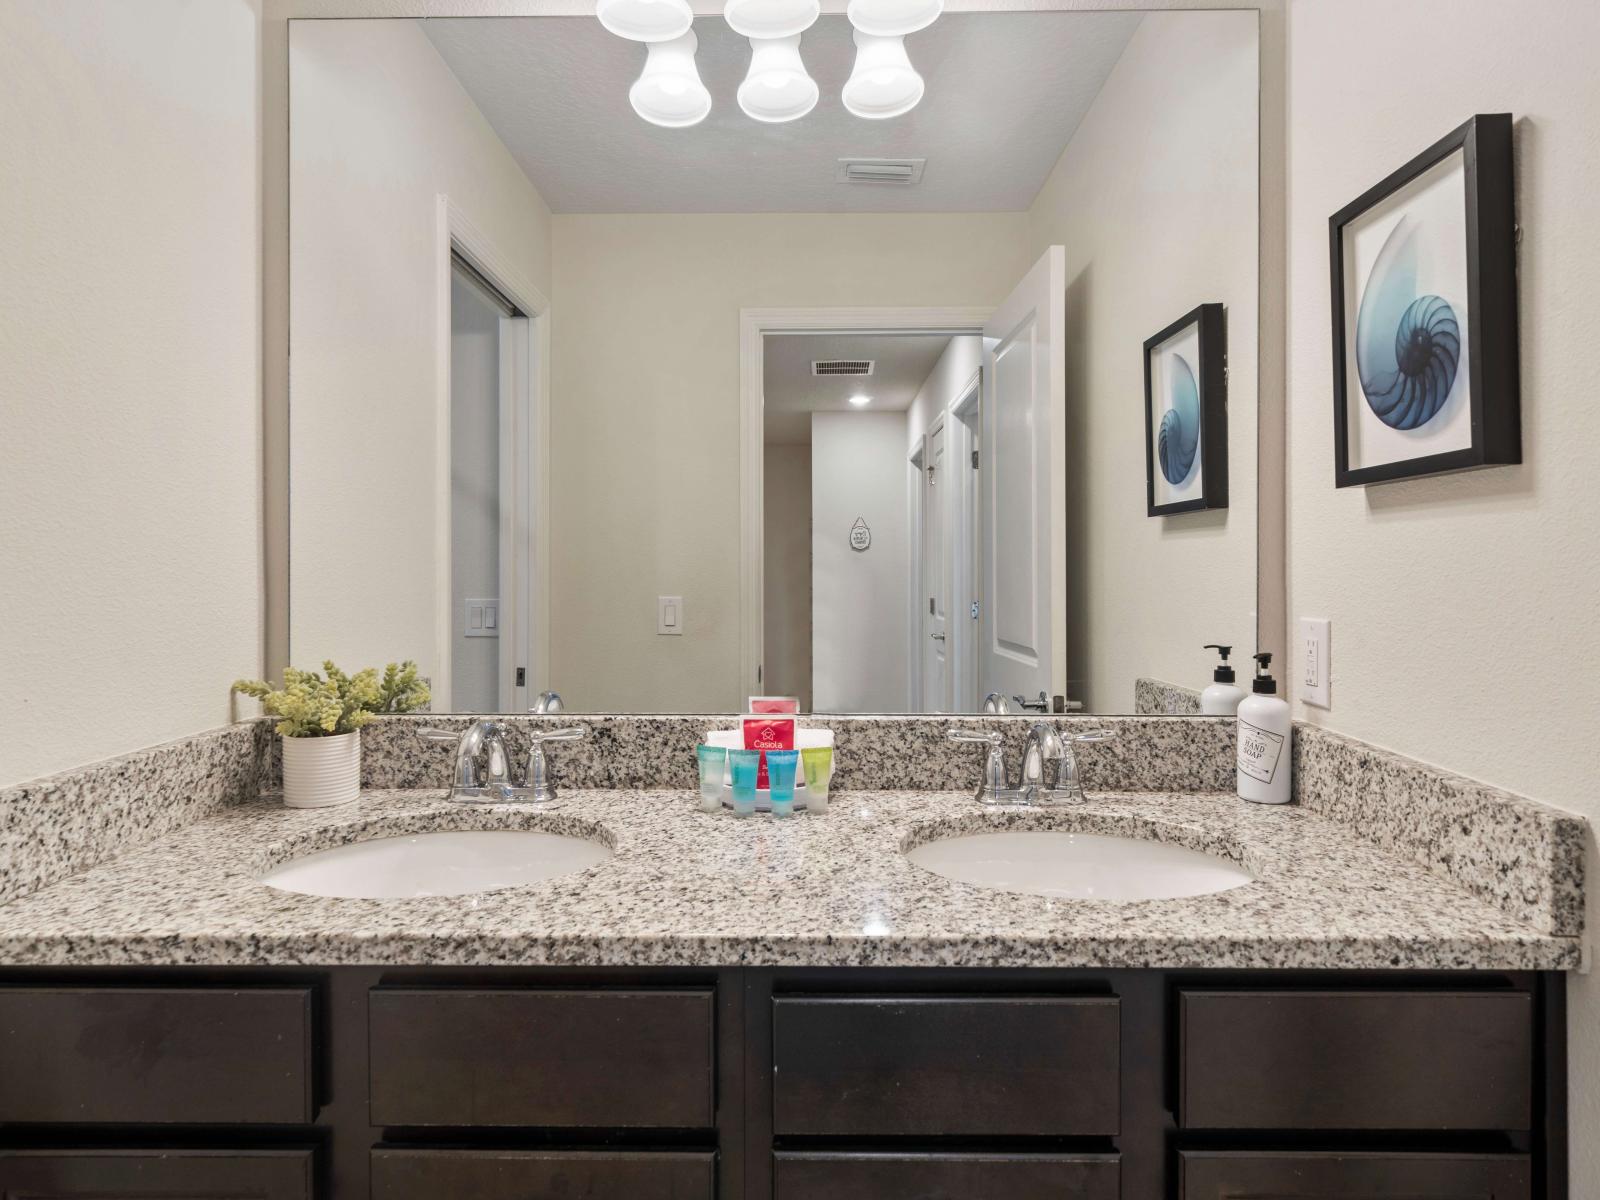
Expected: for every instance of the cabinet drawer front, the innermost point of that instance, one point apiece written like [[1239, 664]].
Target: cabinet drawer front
[[926, 1066], [156, 1174], [519, 1175], [1356, 1060], [1218, 1175], [599, 1059], [928, 1176], [155, 1055]]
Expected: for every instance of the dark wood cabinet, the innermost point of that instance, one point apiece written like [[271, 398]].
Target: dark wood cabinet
[[1218, 1175], [896, 1066], [155, 1055], [1387, 1060], [966, 1176], [404, 1174], [156, 1174], [494, 1057]]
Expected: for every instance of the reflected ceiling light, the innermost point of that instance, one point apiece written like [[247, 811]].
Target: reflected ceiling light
[[646, 20], [883, 83], [777, 87], [771, 18], [669, 91], [860, 400], [893, 18]]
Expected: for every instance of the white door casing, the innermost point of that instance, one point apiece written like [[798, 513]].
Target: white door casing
[[1023, 481], [934, 602]]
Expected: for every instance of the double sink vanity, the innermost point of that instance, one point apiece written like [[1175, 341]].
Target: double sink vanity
[[910, 995]]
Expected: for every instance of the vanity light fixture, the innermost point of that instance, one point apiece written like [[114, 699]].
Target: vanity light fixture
[[646, 20], [884, 83], [669, 92], [771, 18], [777, 87], [860, 400], [893, 18]]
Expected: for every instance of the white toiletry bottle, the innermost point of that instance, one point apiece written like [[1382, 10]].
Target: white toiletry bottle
[[1264, 757], [1222, 698]]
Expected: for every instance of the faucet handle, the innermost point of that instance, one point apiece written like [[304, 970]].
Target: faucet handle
[[539, 787], [993, 782], [572, 733], [429, 734], [1087, 735]]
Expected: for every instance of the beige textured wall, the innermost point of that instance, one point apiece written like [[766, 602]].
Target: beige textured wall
[[1155, 199], [645, 417], [130, 549], [381, 128], [1463, 606]]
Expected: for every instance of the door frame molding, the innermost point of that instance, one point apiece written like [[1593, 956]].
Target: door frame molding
[[454, 229], [754, 325]]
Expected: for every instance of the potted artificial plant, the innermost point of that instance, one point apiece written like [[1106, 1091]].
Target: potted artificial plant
[[320, 720]]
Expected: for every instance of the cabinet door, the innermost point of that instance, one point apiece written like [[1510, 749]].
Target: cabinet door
[[155, 1174], [1223, 1175], [865, 1176], [399, 1174]]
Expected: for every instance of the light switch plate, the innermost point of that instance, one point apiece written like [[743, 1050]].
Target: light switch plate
[[1313, 662], [669, 616], [483, 618]]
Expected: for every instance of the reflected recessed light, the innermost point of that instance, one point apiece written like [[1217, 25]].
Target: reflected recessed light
[[860, 400]]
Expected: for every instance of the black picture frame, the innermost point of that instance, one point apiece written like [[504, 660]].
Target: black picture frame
[[1212, 381], [1494, 398]]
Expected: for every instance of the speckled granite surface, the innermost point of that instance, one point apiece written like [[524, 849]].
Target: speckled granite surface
[[1157, 697], [1523, 856], [1148, 753], [61, 824], [683, 887]]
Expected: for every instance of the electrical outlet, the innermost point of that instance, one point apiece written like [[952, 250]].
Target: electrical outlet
[[1314, 664]]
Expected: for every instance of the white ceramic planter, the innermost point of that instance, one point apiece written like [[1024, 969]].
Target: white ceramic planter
[[319, 772]]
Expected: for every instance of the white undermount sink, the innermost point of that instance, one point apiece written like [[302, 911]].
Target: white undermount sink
[[1079, 866], [436, 864]]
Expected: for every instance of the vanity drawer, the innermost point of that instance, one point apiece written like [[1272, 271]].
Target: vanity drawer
[[597, 1059], [799, 1176], [939, 1066], [1318, 1175], [1356, 1060], [519, 1174], [156, 1055], [156, 1174]]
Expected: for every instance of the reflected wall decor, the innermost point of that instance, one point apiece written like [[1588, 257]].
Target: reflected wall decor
[[1425, 314], [1186, 415]]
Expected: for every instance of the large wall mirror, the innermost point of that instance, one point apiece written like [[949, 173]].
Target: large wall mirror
[[889, 414]]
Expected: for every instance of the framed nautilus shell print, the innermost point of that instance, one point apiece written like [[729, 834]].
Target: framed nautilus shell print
[[1425, 314], [1186, 414]]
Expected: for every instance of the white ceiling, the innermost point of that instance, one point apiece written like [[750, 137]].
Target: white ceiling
[[901, 362], [1005, 92]]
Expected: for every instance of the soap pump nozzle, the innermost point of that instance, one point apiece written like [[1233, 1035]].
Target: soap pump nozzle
[[1264, 684], [1224, 671]]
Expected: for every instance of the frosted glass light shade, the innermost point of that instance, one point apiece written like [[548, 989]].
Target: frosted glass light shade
[[669, 91], [883, 83], [777, 87], [893, 18], [646, 20], [771, 18]]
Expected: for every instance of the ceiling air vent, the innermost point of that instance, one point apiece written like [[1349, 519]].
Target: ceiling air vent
[[902, 171], [842, 366]]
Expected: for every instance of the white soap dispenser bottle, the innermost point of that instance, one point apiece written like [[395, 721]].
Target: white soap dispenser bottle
[[1222, 698], [1265, 750]]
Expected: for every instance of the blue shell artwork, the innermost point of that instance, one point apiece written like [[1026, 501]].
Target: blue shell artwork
[[1408, 346], [1179, 438]]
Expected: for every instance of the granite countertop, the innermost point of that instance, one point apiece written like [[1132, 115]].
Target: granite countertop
[[688, 888]]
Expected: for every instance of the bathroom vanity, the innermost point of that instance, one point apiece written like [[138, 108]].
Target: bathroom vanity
[[795, 1009]]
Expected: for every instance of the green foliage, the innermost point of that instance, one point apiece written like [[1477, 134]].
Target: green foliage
[[313, 705]]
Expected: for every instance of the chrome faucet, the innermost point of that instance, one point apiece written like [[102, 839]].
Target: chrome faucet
[[546, 703], [482, 772], [1048, 772]]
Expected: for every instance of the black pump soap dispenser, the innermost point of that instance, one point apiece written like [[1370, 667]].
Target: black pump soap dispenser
[[1222, 698]]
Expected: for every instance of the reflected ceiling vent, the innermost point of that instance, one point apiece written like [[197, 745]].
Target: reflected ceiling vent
[[842, 366], [902, 171]]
